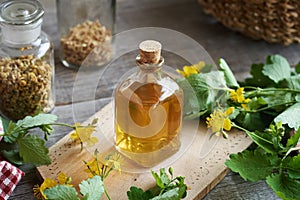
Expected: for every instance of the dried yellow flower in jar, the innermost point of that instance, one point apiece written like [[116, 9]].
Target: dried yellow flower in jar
[[25, 86], [89, 42]]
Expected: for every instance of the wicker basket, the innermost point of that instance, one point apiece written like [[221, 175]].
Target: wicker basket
[[275, 21]]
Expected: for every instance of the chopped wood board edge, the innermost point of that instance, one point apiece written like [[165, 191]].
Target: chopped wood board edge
[[202, 173]]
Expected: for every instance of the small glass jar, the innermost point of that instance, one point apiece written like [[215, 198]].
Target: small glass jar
[[26, 61], [86, 29], [148, 110]]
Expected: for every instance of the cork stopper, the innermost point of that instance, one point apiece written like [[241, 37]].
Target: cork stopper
[[150, 52]]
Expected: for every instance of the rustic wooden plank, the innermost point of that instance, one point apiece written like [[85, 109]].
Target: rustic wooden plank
[[231, 187], [202, 170]]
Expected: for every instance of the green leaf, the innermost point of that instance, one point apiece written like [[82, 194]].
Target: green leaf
[[290, 116], [277, 68], [229, 77], [252, 121], [278, 97], [257, 103], [297, 68], [165, 188], [61, 192], [208, 87], [85, 198], [207, 68], [294, 82], [138, 194], [202, 91], [293, 167], [11, 131], [12, 156], [190, 105], [182, 186], [293, 140], [285, 187], [258, 79], [48, 129], [297, 97], [158, 180], [171, 171], [274, 159], [11, 138], [263, 140], [93, 187], [172, 194], [251, 165], [32, 149], [164, 177], [5, 123], [38, 120]]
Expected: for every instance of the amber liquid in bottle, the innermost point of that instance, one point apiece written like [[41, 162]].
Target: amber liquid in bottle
[[148, 117]]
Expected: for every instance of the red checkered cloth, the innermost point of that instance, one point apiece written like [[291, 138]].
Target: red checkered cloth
[[9, 176]]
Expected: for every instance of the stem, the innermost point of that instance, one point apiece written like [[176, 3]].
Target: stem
[[257, 89], [104, 171], [290, 150], [222, 89], [106, 193], [24, 129], [221, 97], [287, 153], [239, 127], [60, 124], [250, 133], [97, 163], [266, 108]]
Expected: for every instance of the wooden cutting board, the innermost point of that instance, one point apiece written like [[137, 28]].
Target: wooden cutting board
[[200, 159]]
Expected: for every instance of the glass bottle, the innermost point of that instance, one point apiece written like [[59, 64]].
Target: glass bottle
[[86, 29], [26, 61], [148, 110]]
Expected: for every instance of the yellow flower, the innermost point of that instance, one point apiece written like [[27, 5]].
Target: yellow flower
[[113, 161], [238, 97], [63, 179], [48, 183], [229, 111], [93, 168], [38, 194], [38, 191], [218, 121], [84, 134], [102, 167], [189, 70]]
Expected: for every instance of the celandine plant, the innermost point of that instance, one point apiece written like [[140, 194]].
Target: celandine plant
[[265, 106], [31, 148]]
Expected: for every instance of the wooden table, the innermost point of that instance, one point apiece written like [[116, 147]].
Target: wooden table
[[184, 16]]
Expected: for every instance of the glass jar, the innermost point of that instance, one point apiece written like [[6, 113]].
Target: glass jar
[[26, 61], [148, 110], [86, 29]]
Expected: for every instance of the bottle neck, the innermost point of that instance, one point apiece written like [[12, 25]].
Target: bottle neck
[[149, 68], [21, 34], [149, 73]]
